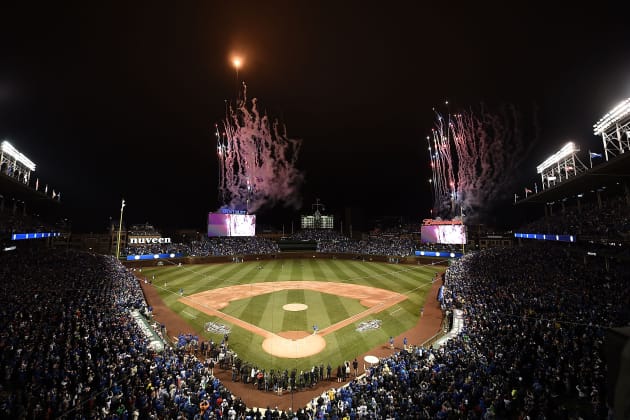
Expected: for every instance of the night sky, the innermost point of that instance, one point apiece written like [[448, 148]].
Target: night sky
[[117, 102]]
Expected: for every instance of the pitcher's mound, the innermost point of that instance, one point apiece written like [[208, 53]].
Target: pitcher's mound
[[295, 307], [294, 344]]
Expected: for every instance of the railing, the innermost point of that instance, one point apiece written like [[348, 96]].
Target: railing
[[431, 340]]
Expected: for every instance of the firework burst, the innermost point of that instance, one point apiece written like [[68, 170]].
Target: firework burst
[[257, 160]]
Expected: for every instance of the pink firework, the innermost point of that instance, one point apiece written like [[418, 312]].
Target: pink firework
[[474, 158], [257, 160]]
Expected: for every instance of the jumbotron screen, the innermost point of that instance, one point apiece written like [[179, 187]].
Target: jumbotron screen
[[443, 234], [220, 224]]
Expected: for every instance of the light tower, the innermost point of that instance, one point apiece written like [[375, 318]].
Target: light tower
[[561, 166], [15, 164], [614, 127]]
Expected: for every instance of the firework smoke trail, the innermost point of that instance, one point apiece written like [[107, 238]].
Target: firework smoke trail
[[442, 165], [475, 160], [257, 160]]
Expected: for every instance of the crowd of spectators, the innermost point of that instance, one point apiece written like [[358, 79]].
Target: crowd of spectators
[[610, 220], [14, 223], [147, 249], [377, 244], [11, 224], [392, 242], [249, 245], [224, 246], [531, 345], [396, 242], [70, 349]]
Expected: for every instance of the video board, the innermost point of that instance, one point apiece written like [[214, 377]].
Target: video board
[[220, 224], [443, 234]]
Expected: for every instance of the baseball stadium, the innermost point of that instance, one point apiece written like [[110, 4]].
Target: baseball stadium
[[390, 325], [241, 318]]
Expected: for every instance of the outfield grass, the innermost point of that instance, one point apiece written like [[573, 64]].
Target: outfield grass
[[325, 309]]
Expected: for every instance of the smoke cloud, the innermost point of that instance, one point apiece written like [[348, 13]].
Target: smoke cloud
[[257, 159]]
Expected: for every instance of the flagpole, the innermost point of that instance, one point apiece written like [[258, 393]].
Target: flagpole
[[461, 217], [122, 206]]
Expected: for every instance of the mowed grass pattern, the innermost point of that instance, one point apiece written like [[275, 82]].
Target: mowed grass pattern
[[324, 309]]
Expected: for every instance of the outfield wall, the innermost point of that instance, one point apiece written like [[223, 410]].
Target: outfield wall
[[286, 255]]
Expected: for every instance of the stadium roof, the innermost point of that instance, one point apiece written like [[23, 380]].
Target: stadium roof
[[616, 169]]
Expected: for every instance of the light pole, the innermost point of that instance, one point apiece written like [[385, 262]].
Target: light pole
[[122, 206], [461, 212]]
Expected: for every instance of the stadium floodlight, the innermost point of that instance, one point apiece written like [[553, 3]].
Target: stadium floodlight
[[8, 148], [617, 114], [567, 150]]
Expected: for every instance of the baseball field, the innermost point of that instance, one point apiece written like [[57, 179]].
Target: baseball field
[[296, 312]]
